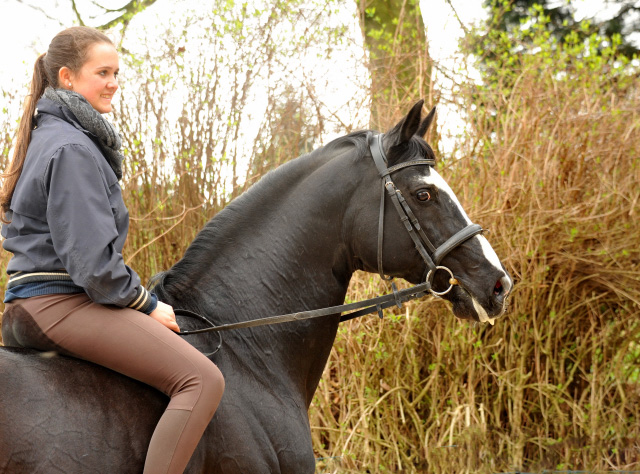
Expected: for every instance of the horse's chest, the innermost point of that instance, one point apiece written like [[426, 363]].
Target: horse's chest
[[258, 437]]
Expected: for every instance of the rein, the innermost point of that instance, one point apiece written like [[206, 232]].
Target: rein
[[365, 307], [372, 305]]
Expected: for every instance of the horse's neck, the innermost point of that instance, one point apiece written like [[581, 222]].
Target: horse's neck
[[281, 252], [286, 264], [272, 274]]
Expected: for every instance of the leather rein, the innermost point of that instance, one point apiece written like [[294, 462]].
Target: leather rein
[[432, 258]]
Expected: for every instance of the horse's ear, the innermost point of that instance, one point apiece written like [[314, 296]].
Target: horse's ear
[[408, 126], [426, 123], [411, 122]]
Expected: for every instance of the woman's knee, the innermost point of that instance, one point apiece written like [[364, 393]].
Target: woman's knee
[[212, 384], [199, 390]]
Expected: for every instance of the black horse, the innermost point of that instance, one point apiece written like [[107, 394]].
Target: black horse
[[290, 243]]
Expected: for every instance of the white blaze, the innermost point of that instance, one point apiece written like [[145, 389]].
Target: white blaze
[[434, 179]]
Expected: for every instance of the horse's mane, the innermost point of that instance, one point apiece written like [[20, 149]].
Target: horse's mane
[[267, 193], [215, 234]]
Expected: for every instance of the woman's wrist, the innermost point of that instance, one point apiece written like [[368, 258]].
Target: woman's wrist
[[144, 301], [153, 305]]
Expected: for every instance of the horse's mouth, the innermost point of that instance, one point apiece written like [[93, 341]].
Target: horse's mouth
[[465, 306]]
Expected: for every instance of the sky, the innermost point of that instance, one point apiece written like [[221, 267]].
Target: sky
[[26, 31]]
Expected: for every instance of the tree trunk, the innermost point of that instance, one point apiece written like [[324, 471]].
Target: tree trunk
[[399, 61]]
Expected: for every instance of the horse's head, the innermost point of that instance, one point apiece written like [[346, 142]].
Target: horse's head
[[482, 283]]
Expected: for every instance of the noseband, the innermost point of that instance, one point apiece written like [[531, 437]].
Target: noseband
[[434, 255]]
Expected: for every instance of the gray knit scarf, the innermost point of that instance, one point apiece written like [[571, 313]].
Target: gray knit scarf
[[94, 122]]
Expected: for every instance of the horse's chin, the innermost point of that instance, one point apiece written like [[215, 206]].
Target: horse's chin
[[464, 306]]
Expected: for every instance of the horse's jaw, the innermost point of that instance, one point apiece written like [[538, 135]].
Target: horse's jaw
[[465, 305]]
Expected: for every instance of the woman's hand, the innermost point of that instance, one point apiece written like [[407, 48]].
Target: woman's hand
[[164, 315]]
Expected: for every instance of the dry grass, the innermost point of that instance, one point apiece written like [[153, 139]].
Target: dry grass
[[552, 169]]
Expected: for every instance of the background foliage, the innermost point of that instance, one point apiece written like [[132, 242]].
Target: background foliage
[[550, 164], [623, 21]]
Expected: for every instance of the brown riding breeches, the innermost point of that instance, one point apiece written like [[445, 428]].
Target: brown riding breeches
[[134, 344]]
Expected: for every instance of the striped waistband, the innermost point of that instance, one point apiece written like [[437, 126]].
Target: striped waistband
[[21, 278], [142, 301]]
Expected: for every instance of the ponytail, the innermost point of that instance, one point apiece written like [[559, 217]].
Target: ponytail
[[10, 177]]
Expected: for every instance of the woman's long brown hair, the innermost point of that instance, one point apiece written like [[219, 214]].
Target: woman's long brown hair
[[68, 48]]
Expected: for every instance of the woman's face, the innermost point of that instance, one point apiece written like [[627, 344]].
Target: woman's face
[[97, 79]]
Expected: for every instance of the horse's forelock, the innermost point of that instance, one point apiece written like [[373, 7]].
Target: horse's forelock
[[420, 149], [414, 149]]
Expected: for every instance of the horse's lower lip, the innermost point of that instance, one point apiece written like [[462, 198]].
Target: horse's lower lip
[[483, 318]]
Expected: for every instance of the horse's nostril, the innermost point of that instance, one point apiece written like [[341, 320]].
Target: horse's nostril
[[498, 289], [502, 288]]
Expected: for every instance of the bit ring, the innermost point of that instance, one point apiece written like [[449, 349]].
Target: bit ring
[[452, 282]]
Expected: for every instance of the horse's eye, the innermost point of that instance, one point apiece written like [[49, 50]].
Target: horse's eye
[[423, 195]]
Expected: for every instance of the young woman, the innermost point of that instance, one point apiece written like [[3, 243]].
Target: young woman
[[65, 222]]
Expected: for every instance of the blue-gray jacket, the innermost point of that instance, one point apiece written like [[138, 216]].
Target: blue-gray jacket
[[68, 219]]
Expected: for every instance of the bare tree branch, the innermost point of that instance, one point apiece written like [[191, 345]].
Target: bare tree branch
[[77, 13], [455, 13], [108, 10], [41, 10], [128, 12]]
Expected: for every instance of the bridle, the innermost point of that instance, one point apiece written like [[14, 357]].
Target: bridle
[[432, 258], [408, 218]]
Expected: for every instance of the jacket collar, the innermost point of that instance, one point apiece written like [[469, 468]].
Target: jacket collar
[[47, 106]]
